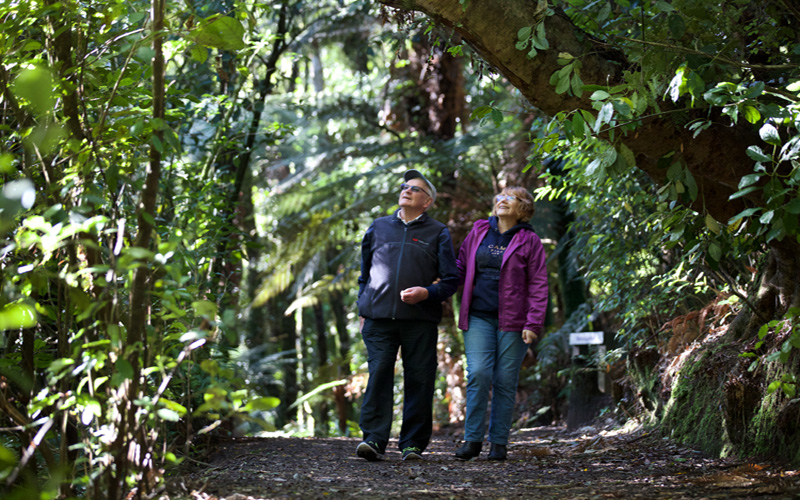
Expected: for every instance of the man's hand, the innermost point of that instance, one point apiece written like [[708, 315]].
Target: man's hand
[[414, 294], [528, 336]]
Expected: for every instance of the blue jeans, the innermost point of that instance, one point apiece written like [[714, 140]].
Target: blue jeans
[[416, 341], [494, 358]]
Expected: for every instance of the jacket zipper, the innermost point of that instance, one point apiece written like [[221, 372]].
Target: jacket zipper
[[397, 274]]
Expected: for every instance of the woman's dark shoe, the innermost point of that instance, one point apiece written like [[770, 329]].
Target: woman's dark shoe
[[468, 450], [498, 452]]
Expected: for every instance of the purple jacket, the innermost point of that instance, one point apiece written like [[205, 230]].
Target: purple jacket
[[523, 280]]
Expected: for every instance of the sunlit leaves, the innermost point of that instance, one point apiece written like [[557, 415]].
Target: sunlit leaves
[[16, 316], [481, 113], [221, 32], [7, 462], [769, 134], [684, 82], [35, 86]]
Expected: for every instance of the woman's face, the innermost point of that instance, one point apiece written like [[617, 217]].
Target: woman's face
[[506, 205]]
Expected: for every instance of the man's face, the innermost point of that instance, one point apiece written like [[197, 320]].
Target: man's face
[[415, 195]]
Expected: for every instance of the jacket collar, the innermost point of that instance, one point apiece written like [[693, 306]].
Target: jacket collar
[[419, 218]]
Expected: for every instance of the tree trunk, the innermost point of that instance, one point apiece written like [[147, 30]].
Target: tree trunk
[[344, 407], [321, 412], [140, 287], [286, 336]]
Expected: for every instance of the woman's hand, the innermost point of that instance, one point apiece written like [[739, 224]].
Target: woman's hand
[[528, 336]]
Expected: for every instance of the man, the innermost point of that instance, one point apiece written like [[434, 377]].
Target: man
[[407, 269]]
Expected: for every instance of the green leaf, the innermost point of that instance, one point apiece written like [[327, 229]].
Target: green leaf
[[793, 207], [59, 364], [221, 32], [627, 154], [742, 192], [755, 153], [168, 415], [563, 84], [16, 316], [594, 168], [7, 459], [539, 40], [712, 224], [677, 85], [691, 184], [578, 126], [751, 114], [124, 368], [748, 180], [198, 53], [172, 405], [497, 117], [790, 223], [755, 90], [743, 214], [604, 12], [769, 134], [773, 386], [715, 251], [604, 116], [791, 150], [664, 6], [524, 33], [262, 404], [480, 112], [35, 86], [205, 308], [676, 25], [577, 84], [210, 366]]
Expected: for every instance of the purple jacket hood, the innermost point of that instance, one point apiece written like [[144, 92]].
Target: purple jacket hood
[[523, 280]]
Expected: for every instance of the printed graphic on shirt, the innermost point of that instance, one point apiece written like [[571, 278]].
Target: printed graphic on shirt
[[497, 250]]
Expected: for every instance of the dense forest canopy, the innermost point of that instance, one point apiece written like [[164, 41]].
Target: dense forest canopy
[[185, 187]]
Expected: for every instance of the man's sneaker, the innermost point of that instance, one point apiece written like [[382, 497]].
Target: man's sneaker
[[412, 453], [369, 451]]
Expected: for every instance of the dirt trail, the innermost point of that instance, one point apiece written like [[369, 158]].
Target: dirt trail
[[544, 463]]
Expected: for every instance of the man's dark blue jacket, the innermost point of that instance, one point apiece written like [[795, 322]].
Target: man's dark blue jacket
[[396, 256]]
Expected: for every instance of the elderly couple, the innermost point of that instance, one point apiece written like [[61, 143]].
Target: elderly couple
[[408, 268]]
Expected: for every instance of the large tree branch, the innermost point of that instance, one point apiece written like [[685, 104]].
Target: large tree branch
[[716, 158]]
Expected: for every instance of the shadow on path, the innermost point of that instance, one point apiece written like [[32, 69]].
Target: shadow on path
[[544, 463]]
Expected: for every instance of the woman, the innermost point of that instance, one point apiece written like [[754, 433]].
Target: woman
[[502, 267]]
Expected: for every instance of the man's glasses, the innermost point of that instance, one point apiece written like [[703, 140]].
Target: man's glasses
[[414, 189], [505, 197]]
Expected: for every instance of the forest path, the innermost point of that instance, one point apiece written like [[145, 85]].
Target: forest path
[[544, 463]]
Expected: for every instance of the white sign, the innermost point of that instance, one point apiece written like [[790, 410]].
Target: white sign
[[586, 338]]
